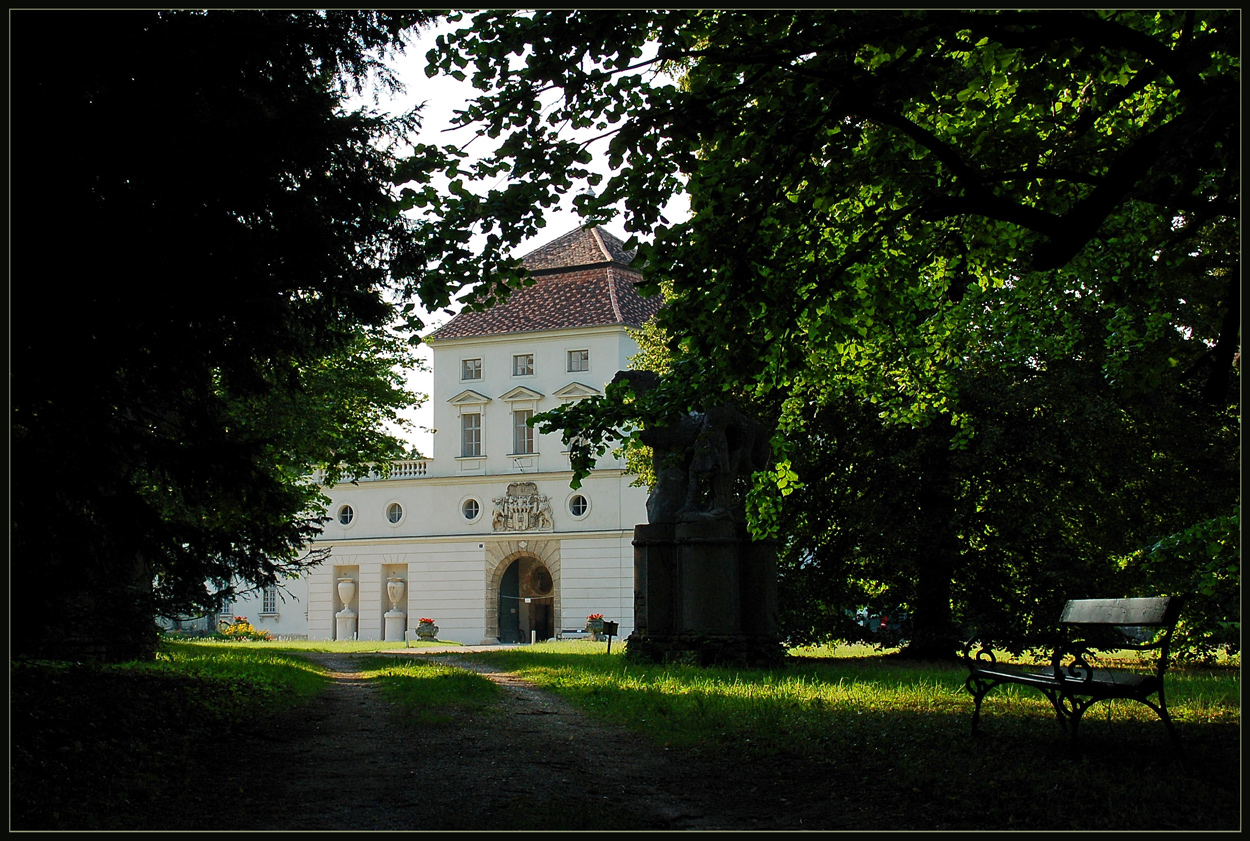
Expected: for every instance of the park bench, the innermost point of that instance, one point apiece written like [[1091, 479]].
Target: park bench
[[1073, 682]]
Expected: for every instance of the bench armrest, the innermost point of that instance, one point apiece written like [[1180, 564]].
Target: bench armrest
[[1079, 662], [978, 652]]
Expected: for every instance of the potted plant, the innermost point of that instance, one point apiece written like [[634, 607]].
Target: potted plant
[[426, 629], [594, 625]]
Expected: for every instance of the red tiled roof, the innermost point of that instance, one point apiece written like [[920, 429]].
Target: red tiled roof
[[579, 247], [583, 279]]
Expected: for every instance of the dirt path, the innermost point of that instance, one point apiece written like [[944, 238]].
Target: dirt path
[[348, 761]]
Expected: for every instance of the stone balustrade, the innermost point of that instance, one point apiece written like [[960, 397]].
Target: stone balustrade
[[403, 469]]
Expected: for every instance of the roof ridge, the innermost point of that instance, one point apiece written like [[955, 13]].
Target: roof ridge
[[616, 304], [603, 246]]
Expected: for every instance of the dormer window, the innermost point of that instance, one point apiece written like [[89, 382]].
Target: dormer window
[[523, 365]]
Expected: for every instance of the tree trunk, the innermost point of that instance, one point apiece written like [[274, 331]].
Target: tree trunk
[[933, 635]]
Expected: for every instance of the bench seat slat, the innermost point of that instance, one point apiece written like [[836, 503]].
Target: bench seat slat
[[1105, 678]]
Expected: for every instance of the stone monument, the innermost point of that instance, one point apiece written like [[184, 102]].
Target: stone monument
[[704, 591]]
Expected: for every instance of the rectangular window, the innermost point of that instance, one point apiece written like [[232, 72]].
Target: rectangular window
[[523, 365], [470, 369], [471, 435], [579, 360], [522, 432], [269, 603]]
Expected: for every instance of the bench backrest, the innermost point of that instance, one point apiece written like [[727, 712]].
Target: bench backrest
[[1153, 612], [1160, 612]]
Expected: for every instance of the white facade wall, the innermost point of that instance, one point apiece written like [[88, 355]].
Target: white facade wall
[[608, 348], [288, 617], [599, 578], [452, 563]]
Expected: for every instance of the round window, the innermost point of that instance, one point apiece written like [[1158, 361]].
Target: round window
[[470, 509], [394, 512], [346, 515], [578, 505], [540, 581]]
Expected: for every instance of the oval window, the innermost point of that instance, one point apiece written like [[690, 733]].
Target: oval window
[[578, 506], [394, 512], [346, 514], [470, 509], [540, 581]]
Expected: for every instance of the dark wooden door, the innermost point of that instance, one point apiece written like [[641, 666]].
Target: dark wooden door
[[510, 604]]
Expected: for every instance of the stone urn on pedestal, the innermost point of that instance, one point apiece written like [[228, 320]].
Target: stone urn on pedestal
[[396, 620], [345, 619]]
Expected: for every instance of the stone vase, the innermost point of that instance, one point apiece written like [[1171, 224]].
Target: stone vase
[[345, 619], [395, 592], [347, 591]]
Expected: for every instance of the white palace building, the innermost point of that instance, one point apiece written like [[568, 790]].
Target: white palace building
[[487, 537]]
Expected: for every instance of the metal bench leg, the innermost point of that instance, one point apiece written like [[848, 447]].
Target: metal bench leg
[[977, 688], [1162, 710], [1065, 716]]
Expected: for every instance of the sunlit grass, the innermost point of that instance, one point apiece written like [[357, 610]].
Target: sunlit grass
[[428, 690], [279, 676], [325, 646], [794, 709]]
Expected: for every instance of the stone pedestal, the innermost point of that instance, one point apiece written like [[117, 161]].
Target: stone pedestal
[[655, 579], [345, 625], [707, 555], [704, 592], [396, 623]]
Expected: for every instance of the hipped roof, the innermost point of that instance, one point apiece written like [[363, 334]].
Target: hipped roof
[[583, 279]]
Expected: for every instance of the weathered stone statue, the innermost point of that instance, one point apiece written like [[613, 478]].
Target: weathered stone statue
[[729, 445]]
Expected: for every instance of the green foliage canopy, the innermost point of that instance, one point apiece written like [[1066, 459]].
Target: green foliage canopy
[[939, 224], [852, 174]]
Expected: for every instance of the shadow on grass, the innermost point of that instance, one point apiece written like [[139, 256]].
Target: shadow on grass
[[884, 743]]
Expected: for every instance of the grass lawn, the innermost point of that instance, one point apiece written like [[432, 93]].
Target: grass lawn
[[847, 723], [868, 721]]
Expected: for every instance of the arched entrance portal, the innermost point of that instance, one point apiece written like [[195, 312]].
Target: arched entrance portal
[[526, 602]]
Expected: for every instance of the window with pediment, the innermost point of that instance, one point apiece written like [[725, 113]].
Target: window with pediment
[[522, 432], [471, 434]]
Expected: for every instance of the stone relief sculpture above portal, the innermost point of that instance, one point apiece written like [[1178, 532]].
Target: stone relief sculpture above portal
[[522, 508]]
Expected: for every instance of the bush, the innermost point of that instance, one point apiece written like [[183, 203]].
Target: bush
[[1203, 563]]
